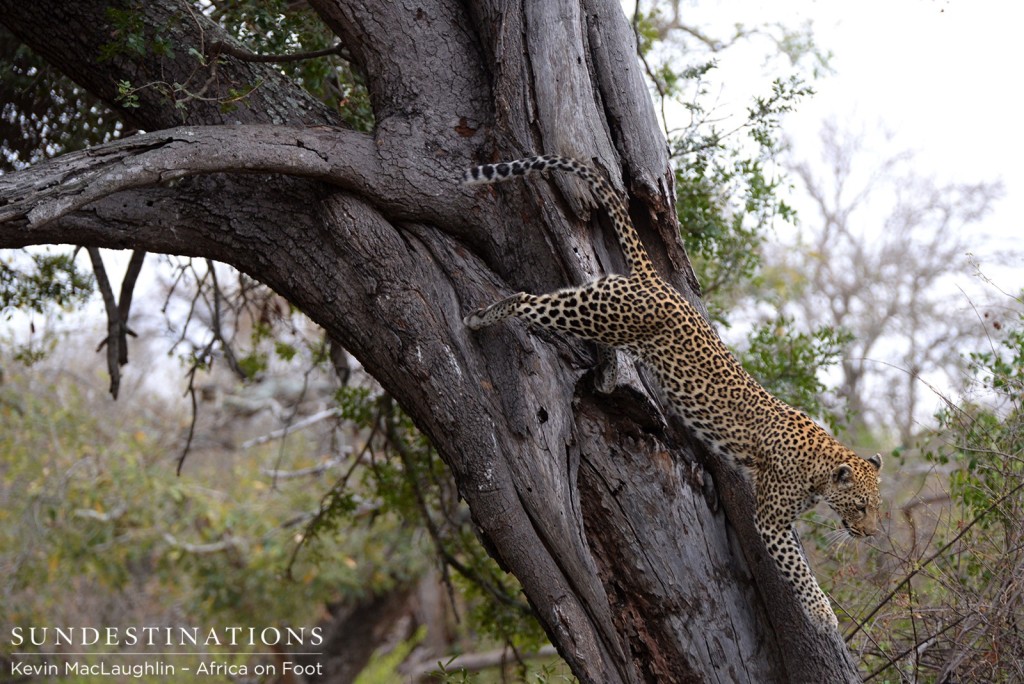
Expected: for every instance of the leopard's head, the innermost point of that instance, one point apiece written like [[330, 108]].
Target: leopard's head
[[852, 492]]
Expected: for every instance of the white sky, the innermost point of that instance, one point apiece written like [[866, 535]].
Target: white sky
[[943, 76]]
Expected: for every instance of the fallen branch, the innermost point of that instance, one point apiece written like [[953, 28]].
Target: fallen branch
[[116, 340], [474, 662], [294, 427], [301, 472], [202, 549]]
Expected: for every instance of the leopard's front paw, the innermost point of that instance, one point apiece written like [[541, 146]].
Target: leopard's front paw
[[497, 312], [476, 320], [824, 618]]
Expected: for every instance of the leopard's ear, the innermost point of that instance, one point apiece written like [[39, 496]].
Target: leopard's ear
[[842, 475], [875, 460]]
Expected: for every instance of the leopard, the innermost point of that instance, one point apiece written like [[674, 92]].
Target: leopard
[[791, 461]]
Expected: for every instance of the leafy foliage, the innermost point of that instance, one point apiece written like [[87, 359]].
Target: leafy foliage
[[32, 281], [989, 436], [791, 363], [43, 114], [726, 198], [104, 509], [280, 27], [130, 36]]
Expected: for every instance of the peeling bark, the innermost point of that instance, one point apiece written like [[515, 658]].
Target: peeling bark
[[598, 505]]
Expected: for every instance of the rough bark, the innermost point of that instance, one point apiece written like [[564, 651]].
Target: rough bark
[[598, 505]]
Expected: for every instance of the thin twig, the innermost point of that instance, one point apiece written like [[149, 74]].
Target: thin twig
[[917, 645], [921, 566], [191, 392]]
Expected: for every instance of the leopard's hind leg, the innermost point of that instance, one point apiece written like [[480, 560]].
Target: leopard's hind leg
[[601, 311]]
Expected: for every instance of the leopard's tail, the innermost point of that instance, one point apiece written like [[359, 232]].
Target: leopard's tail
[[637, 260]]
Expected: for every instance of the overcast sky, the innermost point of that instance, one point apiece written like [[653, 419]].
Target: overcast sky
[[942, 76]]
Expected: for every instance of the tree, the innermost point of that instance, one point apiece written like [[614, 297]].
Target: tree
[[890, 287], [602, 508]]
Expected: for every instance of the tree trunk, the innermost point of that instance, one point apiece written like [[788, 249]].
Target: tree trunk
[[604, 511]]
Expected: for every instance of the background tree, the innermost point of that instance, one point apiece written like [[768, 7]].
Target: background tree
[[881, 257], [368, 234]]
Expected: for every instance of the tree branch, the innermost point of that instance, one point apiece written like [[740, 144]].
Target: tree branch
[[52, 189], [116, 329], [32, 198], [229, 542], [124, 302], [294, 427], [219, 47]]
